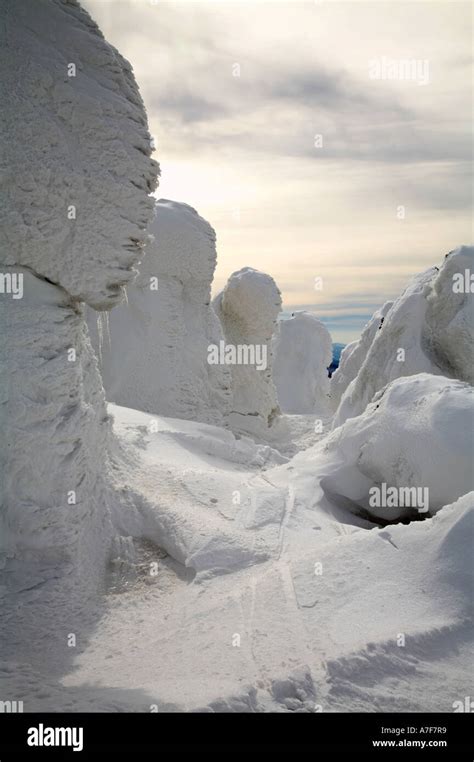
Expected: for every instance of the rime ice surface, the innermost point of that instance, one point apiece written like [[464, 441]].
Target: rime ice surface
[[248, 308], [447, 334], [55, 431], [155, 358], [75, 160], [427, 329], [302, 355], [354, 354], [68, 144]]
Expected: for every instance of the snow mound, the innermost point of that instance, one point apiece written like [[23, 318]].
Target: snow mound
[[248, 308], [75, 159], [154, 357], [408, 454], [302, 354], [427, 329], [386, 650], [354, 354]]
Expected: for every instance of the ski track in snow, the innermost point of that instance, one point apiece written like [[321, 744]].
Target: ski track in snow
[[167, 640], [244, 574]]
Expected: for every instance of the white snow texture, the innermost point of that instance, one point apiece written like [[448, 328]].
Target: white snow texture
[[80, 141], [354, 354], [248, 308], [427, 329], [154, 354], [302, 355], [199, 569], [416, 433], [72, 145]]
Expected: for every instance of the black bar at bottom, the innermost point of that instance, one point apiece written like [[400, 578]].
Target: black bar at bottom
[[427, 735]]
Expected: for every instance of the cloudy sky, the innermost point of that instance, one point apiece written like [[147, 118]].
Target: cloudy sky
[[293, 129]]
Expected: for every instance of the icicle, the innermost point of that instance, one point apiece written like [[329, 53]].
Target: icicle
[[103, 331], [107, 328], [100, 335]]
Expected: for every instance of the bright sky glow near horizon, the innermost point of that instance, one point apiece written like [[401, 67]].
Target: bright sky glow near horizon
[[241, 149]]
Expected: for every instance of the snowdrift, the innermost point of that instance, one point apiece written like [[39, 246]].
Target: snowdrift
[[302, 353], [154, 352], [408, 454], [282, 602]]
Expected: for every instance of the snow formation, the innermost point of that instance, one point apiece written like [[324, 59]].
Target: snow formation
[[68, 144], [427, 329], [238, 580], [154, 355], [447, 333], [72, 145], [55, 434], [280, 600], [354, 354], [302, 355], [416, 433], [248, 309]]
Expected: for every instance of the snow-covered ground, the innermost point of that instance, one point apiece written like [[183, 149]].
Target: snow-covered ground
[[238, 585]]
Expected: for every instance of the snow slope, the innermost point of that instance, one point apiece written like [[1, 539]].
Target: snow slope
[[282, 602], [302, 353], [153, 356], [427, 329], [248, 308]]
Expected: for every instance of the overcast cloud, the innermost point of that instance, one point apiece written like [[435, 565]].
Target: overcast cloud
[[244, 150]]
